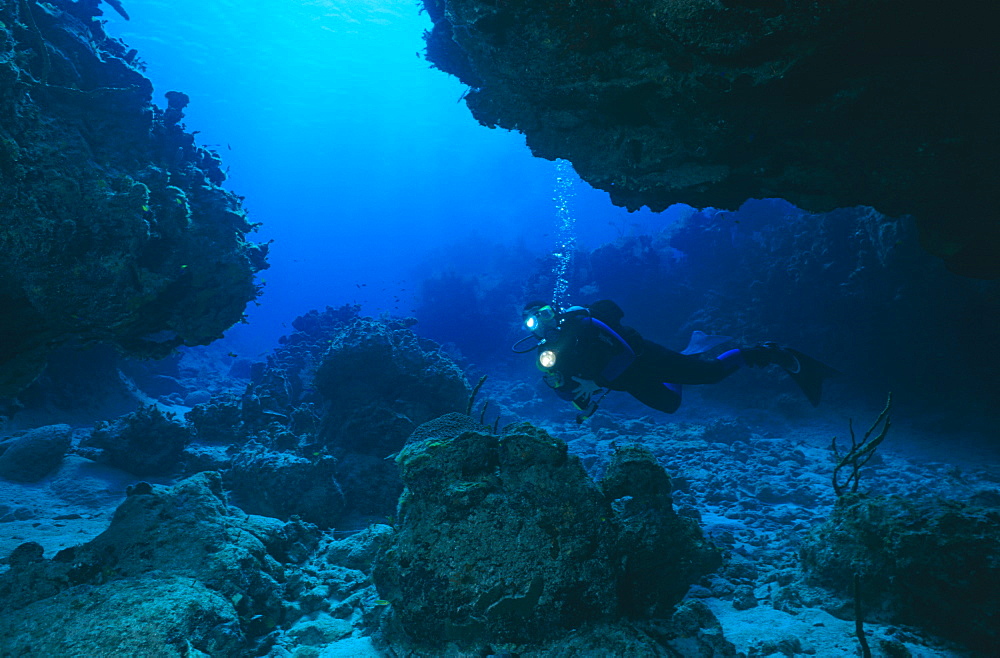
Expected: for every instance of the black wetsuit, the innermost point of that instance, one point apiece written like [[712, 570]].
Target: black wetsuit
[[618, 358], [656, 375]]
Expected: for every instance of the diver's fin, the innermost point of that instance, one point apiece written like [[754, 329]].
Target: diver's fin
[[701, 342], [810, 374]]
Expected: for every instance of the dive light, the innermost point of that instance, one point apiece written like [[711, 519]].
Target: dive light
[[541, 316], [547, 359]]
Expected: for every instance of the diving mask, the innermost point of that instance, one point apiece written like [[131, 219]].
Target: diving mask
[[540, 319]]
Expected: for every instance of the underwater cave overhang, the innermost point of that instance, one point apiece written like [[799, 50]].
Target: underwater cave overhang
[[881, 103]]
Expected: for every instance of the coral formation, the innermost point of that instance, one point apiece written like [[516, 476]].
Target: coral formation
[[205, 577], [882, 103], [920, 562], [144, 442], [112, 223], [663, 553], [340, 395], [280, 484], [380, 381], [504, 540]]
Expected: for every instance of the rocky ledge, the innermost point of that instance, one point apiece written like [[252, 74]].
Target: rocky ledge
[[880, 103]]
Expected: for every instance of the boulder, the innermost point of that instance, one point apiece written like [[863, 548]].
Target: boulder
[[665, 552], [177, 572], [505, 540], [279, 484], [34, 454], [144, 442]]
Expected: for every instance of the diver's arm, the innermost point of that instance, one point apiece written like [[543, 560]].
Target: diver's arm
[[563, 386], [623, 356]]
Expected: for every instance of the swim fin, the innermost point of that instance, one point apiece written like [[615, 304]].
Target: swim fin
[[809, 375], [701, 342]]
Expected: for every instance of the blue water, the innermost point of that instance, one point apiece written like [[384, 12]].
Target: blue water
[[371, 176], [360, 160]]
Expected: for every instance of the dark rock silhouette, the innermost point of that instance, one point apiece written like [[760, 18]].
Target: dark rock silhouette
[[927, 563], [279, 484], [339, 396], [144, 442]]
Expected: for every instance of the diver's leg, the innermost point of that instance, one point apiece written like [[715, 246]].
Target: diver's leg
[[669, 366], [659, 396]]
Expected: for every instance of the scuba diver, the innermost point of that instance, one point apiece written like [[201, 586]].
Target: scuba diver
[[586, 352]]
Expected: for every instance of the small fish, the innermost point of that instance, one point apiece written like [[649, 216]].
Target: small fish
[[381, 602], [233, 354]]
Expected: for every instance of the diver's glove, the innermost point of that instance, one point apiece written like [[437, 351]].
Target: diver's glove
[[554, 379], [584, 392]]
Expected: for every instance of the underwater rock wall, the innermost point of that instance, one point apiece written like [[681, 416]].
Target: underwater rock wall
[[856, 102], [113, 226]]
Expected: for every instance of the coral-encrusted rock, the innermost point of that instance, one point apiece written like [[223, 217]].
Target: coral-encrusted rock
[[177, 615], [381, 381], [113, 225], [281, 398], [144, 442], [666, 552], [217, 421], [505, 539], [33, 455], [882, 103], [931, 564], [499, 539], [177, 568], [354, 387], [281, 485]]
